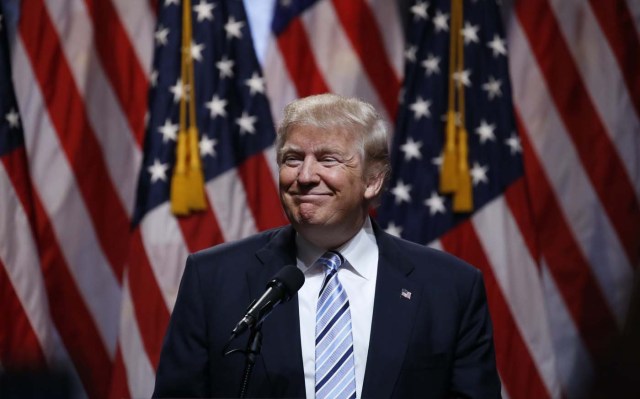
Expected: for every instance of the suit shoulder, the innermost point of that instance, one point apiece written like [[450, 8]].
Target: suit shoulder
[[239, 249], [435, 262]]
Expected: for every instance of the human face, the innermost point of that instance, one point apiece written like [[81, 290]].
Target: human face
[[322, 185]]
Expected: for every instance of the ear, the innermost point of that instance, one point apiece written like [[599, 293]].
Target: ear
[[373, 186]]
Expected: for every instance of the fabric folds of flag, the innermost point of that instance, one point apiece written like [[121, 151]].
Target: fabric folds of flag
[[23, 300], [353, 48], [489, 234], [577, 101], [225, 94], [554, 226], [91, 255]]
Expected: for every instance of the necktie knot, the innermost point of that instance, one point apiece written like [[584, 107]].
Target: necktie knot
[[331, 260]]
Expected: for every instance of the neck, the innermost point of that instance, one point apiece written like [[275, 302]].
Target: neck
[[329, 238]]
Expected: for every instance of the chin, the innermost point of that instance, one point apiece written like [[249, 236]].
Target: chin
[[308, 220]]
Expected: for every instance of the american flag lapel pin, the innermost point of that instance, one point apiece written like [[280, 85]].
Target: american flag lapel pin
[[405, 293]]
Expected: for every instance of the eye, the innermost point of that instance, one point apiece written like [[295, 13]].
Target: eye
[[329, 160], [291, 160]]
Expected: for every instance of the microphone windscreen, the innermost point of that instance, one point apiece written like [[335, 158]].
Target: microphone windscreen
[[291, 277]]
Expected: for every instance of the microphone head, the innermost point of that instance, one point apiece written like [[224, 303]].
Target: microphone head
[[290, 278]]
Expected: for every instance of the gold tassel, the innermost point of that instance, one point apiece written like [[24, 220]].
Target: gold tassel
[[195, 184], [448, 178], [463, 197], [196, 179], [455, 176], [179, 198], [187, 183], [448, 171]]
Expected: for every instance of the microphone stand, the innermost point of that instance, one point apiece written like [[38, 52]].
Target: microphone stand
[[254, 344]]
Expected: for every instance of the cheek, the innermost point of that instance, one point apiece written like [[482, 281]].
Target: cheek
[[286, 177]]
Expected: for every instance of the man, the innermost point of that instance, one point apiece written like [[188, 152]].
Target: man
[[377, 316]]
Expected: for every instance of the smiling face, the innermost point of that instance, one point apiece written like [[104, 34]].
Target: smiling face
[[322, 184]]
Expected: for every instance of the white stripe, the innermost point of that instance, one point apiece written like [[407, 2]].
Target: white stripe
[[139, 371], [19, 253], [572, 188], [603, 80], [280, 88], [120, 151], [229, 203], [270, 156], [436, 244], [333, 52], [166, 249], [518, 277], [258, 13], [574, 364], [503, 390], [64, 205], [139, 21], [389, 24]]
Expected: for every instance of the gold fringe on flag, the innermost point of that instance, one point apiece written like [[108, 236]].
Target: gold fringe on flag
[[448, 175], [455, 177], [187, 182]]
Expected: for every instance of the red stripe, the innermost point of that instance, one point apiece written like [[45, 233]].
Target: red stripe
[[148, 303], [120, 63], [261, 191], [595, 149], [70, 314], [68, 115], [518, 371], [617, 24], [66, 305], [518, 198], [15, 163], [567, 264], [19, 345], [361, 27], [201, 230], [119, 385], [300, 61], [154, 4]]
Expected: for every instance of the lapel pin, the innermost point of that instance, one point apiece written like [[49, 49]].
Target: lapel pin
[[405, 294]]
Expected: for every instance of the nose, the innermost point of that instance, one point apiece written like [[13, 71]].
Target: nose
[[308, 172]]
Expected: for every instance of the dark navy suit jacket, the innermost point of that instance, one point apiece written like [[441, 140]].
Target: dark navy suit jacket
[[436, 344]]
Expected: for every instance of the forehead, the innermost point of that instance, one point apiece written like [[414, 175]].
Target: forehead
[[312, 137]]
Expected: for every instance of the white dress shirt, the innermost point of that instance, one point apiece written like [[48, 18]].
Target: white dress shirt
[[358, 277]]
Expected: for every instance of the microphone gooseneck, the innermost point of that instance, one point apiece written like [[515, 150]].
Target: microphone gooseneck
[[280, 289]]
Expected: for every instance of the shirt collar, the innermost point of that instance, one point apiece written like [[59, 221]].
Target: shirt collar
[[361, 252]]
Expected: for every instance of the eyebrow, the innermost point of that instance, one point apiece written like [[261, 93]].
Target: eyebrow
[[323, 149]]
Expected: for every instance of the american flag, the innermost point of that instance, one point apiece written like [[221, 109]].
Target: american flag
[[91, 257], [80, 82], [558, 286], [18, 343], [235, 146], [492, 234]]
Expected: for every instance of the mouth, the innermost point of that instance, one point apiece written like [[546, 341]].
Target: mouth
[[308, 197]]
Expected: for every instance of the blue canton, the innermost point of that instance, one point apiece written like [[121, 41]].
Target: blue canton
[[413, 208], [232, 110]]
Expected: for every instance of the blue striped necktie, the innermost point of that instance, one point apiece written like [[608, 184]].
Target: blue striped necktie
[[335, 369]]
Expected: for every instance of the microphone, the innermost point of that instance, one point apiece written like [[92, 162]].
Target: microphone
[[280, 289]]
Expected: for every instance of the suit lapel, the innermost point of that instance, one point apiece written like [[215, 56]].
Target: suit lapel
[[395, 306], [281, 353]]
